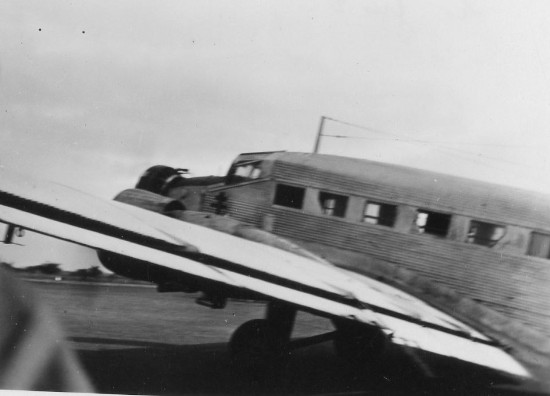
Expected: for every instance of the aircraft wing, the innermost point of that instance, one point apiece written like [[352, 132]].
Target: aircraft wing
[[67, 214]]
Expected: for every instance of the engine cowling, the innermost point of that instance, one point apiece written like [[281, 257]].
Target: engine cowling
[[142, 270], [167, 279], [150, 201], [159, 179]]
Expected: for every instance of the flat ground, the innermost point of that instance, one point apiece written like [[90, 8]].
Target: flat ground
[[133, 340]]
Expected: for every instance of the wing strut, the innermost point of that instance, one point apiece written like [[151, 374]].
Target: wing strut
[[11, 232]]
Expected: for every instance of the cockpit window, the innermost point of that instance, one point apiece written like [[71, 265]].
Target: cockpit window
[[244, 171]]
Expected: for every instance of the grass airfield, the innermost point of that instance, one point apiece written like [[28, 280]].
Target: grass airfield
[[133, 340]]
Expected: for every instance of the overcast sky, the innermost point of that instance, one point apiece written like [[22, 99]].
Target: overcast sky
[[92, 93]]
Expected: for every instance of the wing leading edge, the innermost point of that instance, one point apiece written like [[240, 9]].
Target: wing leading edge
[[70, 215]]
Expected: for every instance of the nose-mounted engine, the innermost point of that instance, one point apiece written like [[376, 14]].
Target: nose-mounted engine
[[174, 183], [160, 179]]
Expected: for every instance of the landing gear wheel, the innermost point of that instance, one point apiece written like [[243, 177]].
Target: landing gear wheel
[[257, 339], [359, 344], [255, 348]]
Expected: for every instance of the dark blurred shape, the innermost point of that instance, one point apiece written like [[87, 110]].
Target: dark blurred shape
[[46, 268], [33, 355]]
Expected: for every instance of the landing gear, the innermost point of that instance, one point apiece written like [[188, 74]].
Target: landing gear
[[259, 346], [265, 338], [256, 341], [358, 343]]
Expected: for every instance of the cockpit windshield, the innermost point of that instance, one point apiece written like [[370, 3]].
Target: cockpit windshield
[[243, 171]]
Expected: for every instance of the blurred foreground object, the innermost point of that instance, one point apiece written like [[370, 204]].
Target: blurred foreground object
[[33, 355]]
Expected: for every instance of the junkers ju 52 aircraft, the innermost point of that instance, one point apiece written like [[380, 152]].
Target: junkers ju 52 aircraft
[[161, 232]]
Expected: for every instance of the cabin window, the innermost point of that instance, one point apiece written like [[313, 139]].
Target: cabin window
[[485, 234], [333, 204], [244, 171], [433, 223], [380, 213], [539, 246], [289, 196]]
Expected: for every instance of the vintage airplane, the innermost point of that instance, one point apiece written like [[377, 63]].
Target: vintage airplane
[[149, 236], [435, 235]]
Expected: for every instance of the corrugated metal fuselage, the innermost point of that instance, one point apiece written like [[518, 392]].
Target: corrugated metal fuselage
[[499, 274]]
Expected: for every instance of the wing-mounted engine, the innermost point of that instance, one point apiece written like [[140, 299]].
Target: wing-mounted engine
[[149, 200], [142, 270], [166, 279]]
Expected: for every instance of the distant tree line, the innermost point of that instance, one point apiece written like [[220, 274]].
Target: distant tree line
[[54, 269]]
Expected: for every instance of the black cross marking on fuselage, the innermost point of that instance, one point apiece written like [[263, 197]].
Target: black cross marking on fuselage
[[220, 203]]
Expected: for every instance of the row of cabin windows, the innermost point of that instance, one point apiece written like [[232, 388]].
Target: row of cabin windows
[[427, 222]]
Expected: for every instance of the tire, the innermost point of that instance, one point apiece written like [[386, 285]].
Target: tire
[[360, 344], [257, 338], [256, 349]]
